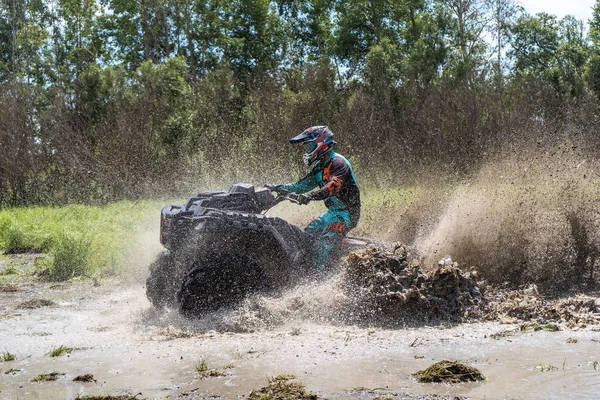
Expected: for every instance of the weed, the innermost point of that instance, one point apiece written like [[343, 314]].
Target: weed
[[12, 371], [572, 340], [204, 372], [540, 327], [504, 333], [449, 372], [59, 351], [546, 367], [52, 376], [6, 356], [118, 397], [295, 332], [280, 388], [70, 257], [9, 271], [36, 303], [84, 378], [8, 288]]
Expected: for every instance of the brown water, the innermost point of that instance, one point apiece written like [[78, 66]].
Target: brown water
[[131, 348]]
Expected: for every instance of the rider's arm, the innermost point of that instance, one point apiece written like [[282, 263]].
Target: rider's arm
[[306, 184]]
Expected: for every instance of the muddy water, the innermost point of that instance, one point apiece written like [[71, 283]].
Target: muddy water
[[131, 348]]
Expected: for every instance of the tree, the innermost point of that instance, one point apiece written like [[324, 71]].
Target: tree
[[555, 51]]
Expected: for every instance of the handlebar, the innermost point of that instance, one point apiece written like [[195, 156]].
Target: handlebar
[[283, 194]]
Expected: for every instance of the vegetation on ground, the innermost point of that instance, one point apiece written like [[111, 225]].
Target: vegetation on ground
[[77, 240], [84, 378], [282, 387], [60, 350], [204, 372], [36, 303], [7, 356], [449, 372], [52, 376], [110, 397]]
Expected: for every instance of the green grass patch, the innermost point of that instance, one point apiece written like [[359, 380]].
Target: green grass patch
[[59, 351], [11, 270], [449, 372], [77, 240], [282, 387], [6, 356]]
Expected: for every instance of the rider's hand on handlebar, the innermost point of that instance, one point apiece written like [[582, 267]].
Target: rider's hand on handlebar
[[274, 188], [303, 199]]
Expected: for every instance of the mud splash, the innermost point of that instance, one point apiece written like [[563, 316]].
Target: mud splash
[[519, 221]]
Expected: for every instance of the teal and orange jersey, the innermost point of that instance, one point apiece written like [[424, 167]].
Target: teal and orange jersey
[[337, 185]]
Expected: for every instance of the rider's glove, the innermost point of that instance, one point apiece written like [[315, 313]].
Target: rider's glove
[[274, 188], [303, 199]]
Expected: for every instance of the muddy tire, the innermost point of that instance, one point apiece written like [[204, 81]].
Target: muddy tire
[[163, 282], [219, 282]]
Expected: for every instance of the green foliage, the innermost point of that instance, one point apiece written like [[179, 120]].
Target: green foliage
[[106, 100], [6, 356], [554, 50], [81, 240], [71, 256], [60, 350]]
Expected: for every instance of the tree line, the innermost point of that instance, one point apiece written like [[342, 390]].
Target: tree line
[[108, 99]]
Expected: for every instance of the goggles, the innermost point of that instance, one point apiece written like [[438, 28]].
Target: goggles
[[309, 147]]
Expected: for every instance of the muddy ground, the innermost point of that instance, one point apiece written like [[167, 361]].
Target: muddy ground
[[129, 348]]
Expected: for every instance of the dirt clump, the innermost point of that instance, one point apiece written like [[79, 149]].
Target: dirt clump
[[8, 288], [37, 303], [109, 397], [449, 372], [523, 305], [84, 378], [388, 285], [52, 376], [282, 387], [204, 372]]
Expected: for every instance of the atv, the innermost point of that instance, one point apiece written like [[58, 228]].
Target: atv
[[221, 246]]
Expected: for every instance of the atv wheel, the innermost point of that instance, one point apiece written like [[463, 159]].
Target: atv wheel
[[220, 282], [162, 284]]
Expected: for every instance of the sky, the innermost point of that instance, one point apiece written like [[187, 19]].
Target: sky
[[581, 9]]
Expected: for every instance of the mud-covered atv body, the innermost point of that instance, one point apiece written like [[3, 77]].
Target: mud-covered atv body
[[220, 248]]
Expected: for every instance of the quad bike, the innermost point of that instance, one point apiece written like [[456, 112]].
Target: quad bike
[[221, 247]]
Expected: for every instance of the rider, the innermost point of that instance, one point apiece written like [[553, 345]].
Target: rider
[[333, 174]]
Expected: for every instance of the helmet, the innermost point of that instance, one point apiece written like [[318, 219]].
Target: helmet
[[317, 140]]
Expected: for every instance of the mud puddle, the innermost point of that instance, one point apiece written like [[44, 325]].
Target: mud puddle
[[130, 348]]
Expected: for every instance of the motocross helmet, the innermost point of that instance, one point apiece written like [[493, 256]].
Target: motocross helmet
[[317, 141]]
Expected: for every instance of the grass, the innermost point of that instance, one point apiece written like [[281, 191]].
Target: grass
[[6, 356], [295, 332], [12, 371], [204, 372], [540, 327], [547, 368], [79, 240], [281, 387], [52, 376], [59, 351], [449, 372], [108, 397], [9, 271]]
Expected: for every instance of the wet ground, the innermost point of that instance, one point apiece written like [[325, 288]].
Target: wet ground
[[130, 348]]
